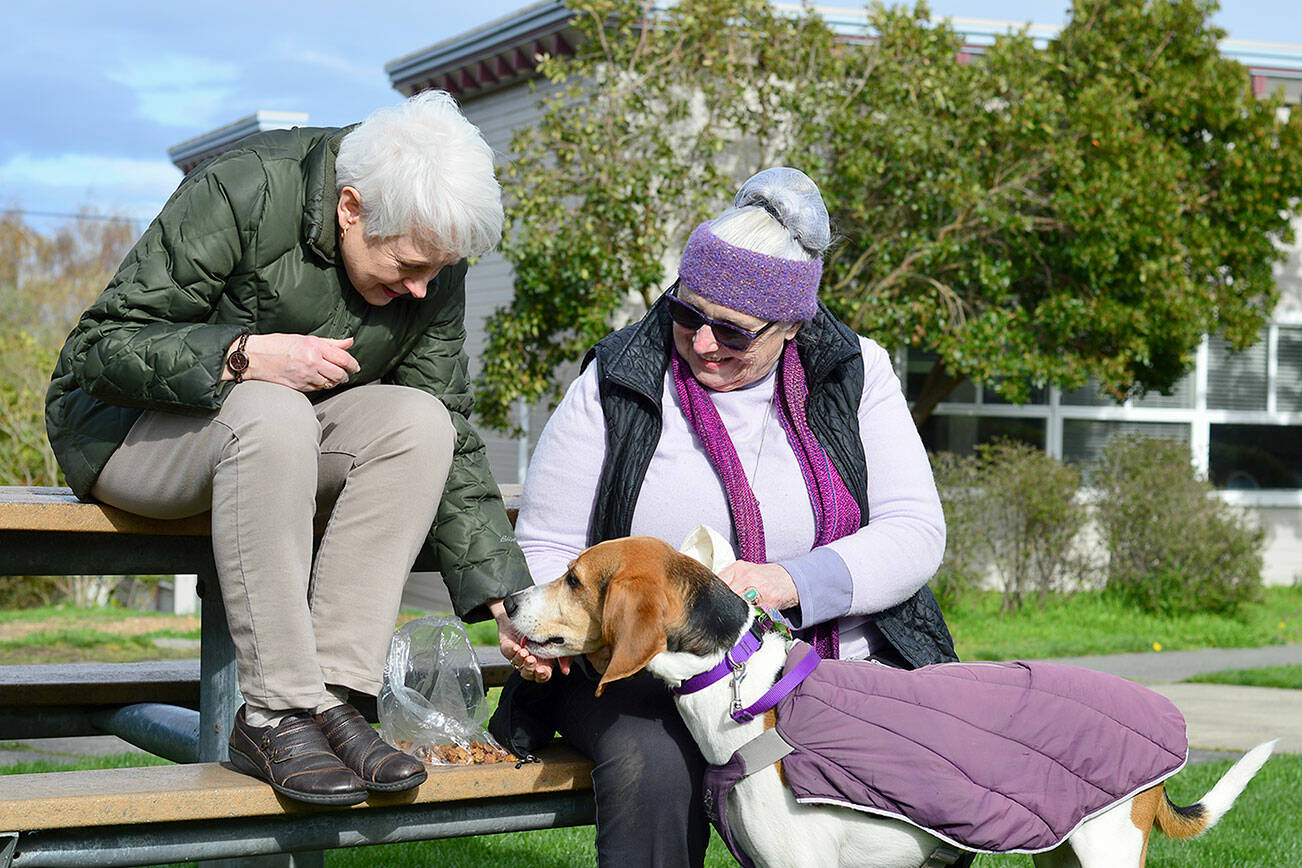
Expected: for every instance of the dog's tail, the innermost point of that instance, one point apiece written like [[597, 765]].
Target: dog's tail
[[1181, 822]]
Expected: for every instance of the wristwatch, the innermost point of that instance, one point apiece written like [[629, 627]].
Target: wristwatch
[[238, 360]]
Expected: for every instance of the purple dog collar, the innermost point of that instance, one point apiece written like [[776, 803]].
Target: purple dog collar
[[766, 287], [732, 661], [734, 664]]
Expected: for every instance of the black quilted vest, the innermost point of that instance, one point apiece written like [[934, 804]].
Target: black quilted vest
[[631, 367]]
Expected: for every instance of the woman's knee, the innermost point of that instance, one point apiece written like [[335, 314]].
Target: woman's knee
[[646, 770], [272, 421], [418, 422]]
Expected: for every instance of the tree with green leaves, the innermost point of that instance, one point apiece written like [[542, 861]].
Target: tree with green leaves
[[46, 280], [656, 117], [1040, 217], [1029, 217]]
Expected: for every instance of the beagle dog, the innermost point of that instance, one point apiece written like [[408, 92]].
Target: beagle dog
[[649, 606]]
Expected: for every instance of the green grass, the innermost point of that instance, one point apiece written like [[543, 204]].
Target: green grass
[[547, 848], [1089, 623], [1287, 677], [1260, 831], [65, 611], [109, 761], [72, 644]]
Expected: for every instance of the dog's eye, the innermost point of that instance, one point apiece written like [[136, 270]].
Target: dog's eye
[[572, 581]]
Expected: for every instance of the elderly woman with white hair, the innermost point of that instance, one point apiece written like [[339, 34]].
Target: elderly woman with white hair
[[285, 341], [739, 402]]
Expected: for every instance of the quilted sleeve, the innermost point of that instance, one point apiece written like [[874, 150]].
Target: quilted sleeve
[[472, 539], [145, 341]]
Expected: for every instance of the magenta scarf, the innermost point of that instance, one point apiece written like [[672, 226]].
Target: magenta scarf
[[836, 514]]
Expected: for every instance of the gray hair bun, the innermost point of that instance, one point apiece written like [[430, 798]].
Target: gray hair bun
[[793, 199]]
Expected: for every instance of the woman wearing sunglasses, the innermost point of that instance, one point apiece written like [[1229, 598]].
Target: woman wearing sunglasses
[[739, 402]]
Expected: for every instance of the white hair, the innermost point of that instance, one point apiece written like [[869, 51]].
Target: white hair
[[778, 212], [421, 169], [756, 229]]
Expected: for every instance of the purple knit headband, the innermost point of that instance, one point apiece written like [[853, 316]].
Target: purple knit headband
[[765, 287]]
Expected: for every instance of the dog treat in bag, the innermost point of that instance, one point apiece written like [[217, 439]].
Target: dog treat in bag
[[431, 702]]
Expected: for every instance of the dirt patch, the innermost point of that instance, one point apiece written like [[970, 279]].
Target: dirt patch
[[126, 626]]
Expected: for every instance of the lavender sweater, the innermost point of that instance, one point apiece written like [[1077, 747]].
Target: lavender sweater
[[882, 564]]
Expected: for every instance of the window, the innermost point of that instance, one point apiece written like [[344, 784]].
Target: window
[[1236, 381], [1083, 439], [1288, 375], [1245, 434], [1087, 395], [961, 434], [1182, 396], [1038, 396], [1256, 456]]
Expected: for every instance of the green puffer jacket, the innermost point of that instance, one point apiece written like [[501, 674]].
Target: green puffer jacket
[[248, 243]]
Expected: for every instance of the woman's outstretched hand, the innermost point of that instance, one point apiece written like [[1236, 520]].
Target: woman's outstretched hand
[[511, 641], [774, 588], [302, 362]]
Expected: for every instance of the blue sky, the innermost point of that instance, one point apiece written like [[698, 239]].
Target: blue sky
[[96, 92]]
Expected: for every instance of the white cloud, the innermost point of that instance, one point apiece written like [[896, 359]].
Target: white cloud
[[329, 60], [89, 170], [177, 90]]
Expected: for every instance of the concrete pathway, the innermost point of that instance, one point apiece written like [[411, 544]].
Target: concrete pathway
[[1220, 717]]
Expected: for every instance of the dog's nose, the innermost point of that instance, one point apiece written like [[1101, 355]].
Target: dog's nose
[[510, 604]]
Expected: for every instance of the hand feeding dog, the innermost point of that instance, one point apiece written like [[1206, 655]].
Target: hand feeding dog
[[651, 607]]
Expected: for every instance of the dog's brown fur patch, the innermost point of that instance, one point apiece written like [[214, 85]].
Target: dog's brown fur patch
[[648, 598], [770, 721], [1179, 822], [1143, 813]]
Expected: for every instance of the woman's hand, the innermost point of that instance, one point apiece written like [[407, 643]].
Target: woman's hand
[[302, 362], [772, 583], [511, 641]]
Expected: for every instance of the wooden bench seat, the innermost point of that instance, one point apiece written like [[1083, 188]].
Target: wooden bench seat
[[209, 811], [165, 794]]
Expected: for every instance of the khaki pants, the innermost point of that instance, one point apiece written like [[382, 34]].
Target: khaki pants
[[374, 457]]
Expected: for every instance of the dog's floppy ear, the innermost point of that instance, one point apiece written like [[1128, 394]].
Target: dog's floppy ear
[[633, 623]]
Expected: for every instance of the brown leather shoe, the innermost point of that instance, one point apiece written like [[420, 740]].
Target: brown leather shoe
[[380, 766], [295, 759]]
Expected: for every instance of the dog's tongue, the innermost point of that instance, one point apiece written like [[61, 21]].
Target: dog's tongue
[[710, 547]]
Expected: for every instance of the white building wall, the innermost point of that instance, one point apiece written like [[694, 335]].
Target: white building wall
[[489, 281], [1289, 277], [1279, 513]]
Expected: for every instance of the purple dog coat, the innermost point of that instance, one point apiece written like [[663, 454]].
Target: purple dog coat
[[993, 757]]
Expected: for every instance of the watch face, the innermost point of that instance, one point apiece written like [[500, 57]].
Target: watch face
[[238, 362]]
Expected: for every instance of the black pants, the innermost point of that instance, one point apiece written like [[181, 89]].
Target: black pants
[[648, 770]]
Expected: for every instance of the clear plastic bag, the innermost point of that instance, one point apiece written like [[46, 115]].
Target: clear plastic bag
[[432, 703]]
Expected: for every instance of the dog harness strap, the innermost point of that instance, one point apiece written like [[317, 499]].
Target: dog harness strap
[[943, 856], [764, 750], [775, 694]]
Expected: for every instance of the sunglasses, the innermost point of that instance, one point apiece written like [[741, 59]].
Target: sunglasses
[[731, 336]]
